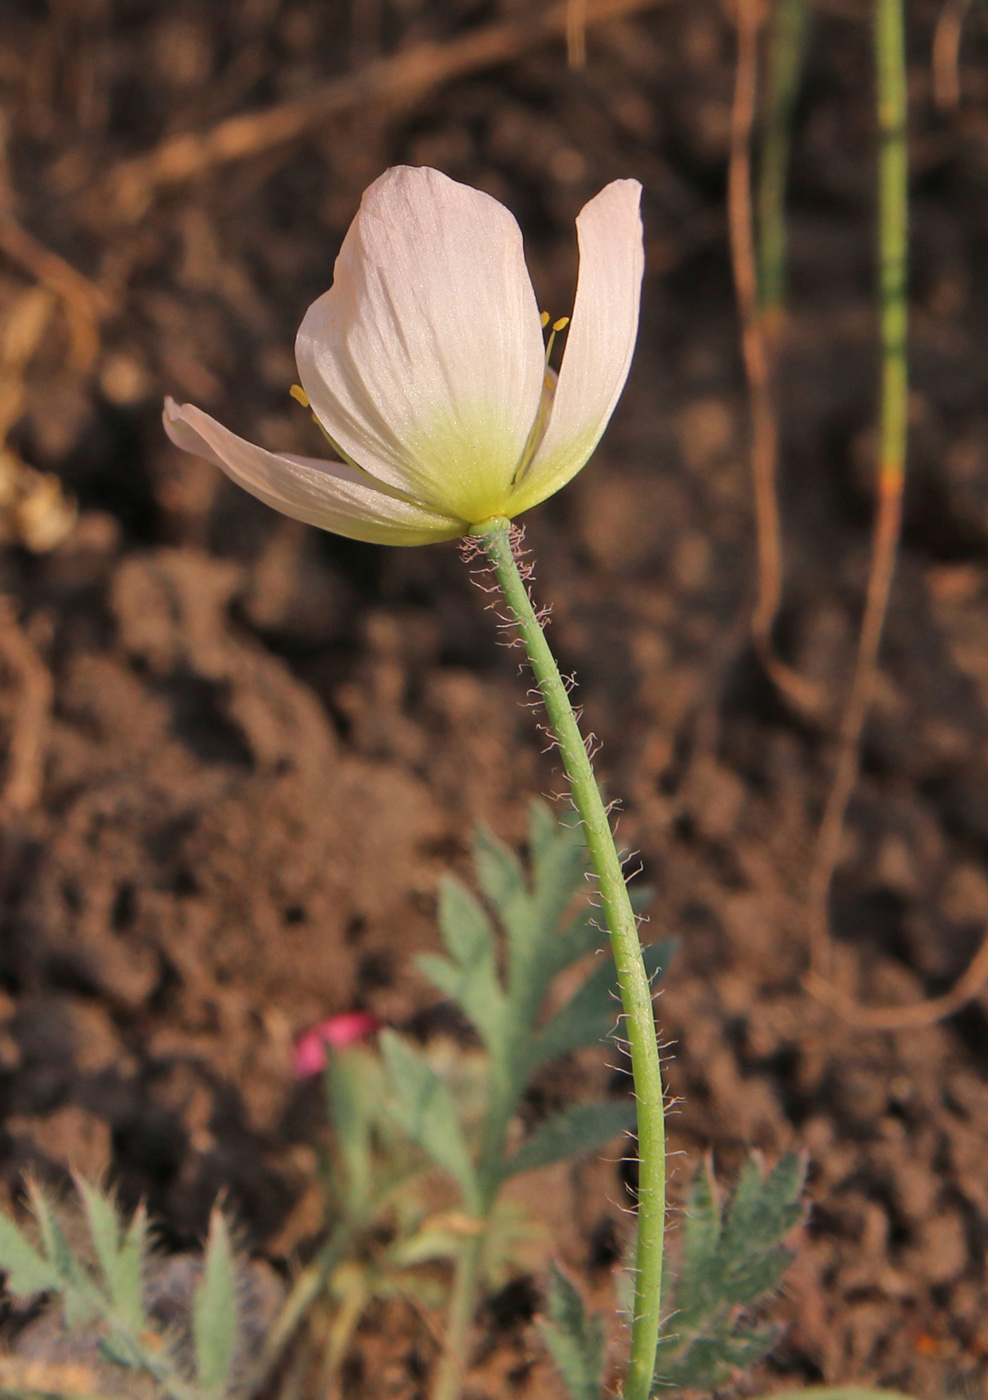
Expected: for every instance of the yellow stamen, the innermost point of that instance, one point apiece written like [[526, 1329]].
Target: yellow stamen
[[545, 319], [561, 324], [299, 395]]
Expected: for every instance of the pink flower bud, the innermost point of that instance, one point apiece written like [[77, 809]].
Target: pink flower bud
[[338, 1031]]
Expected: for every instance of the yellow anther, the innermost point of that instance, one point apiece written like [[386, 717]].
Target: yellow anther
[[561, 324], [545, 319], [299, 395]]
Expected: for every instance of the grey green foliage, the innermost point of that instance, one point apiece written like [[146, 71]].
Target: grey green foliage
[[575, 1340], [100, 1284], [731, 1257], [399, 1113], [499, 971]]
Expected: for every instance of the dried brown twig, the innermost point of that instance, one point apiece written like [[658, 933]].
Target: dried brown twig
[[576, 33], [130, 189], [85, 304], [946, 54], [920, 1013], [26, 748], [758, 364]]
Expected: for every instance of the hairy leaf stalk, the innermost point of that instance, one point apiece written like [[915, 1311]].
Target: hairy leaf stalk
[[495, 537]]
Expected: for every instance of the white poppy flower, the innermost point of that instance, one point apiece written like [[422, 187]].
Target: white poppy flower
[[425, 366]]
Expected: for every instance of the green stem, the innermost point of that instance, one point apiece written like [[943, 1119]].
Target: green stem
[[893, 309], [463, 1302], [636, 993], [787, 45], [893, 238], [305, 1290]]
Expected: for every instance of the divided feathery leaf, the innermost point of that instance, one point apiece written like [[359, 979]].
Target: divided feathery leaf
[[425, 1110], [465, 927], [103, 1222], [730, 1259], [583, 1127], [502, 880], [559, 863], [711, 1361], [499, 870], [127, 1283], [590, 1014], [81, 1297], [475, 989], [53, 1238], [575, 1341], [121, 1257], [27, 1272], [215, 1311], [542, 829]]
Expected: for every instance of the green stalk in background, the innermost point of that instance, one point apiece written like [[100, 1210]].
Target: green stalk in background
[[893, 241], [893, 247], [787, 46], [495, 537]]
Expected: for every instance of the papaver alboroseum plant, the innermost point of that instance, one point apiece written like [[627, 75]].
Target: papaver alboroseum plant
[[425, 366]]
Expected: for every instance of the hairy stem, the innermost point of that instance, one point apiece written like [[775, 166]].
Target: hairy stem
[[497, 540]]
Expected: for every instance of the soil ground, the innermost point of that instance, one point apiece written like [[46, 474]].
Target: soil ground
[[266, 745]]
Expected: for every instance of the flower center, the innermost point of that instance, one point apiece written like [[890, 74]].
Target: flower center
[[545, 402]]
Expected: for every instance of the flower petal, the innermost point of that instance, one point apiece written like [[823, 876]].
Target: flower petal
[[600, 341], [328, 494], [424, 360]]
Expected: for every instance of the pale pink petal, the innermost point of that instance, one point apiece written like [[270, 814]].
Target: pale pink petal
[[331, 495], [600, 341], [424, 360]]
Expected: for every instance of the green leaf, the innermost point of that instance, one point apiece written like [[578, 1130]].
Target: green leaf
[[503, 881], [465, 928], [27, 1272], [711, 1362], [104, 1224], [701, 1222], [53, 1238], [215, 1310], [498, 870], [576, 1342], [425, 1109], [542, 828], [583, 1127], [591, 1013], [730, 1259], [127, 1280], [121, 1256], [81, 1298], [559, 863], [583, 934], [475, 989], [762, 1212]]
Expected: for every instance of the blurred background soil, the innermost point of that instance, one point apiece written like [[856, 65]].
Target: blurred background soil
[[238, 754]]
